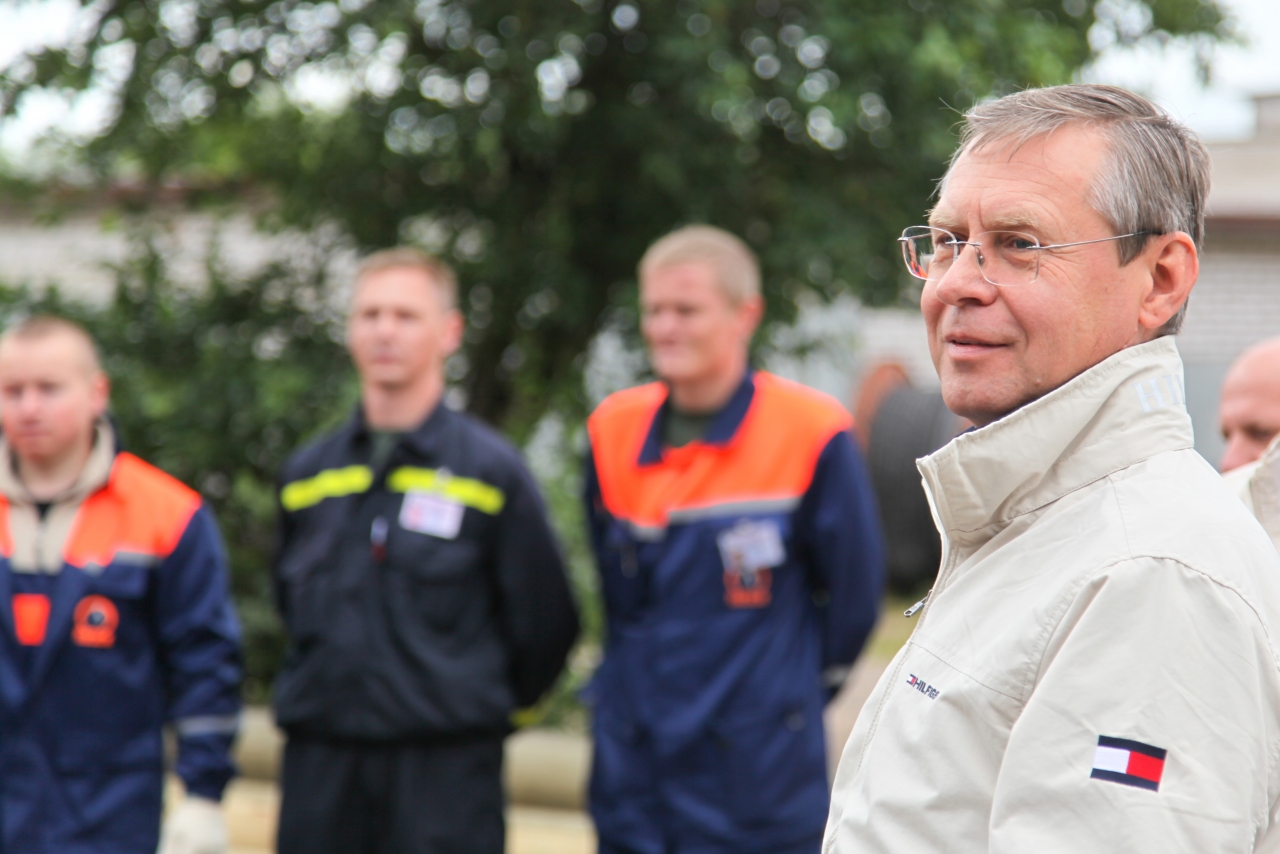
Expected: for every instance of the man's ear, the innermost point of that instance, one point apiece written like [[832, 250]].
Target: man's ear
[[751, 312], [454, 328], [101, 394], [1174, 266]]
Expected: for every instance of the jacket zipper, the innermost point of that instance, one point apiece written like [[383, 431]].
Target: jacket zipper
[[40, 526], [911, 612]]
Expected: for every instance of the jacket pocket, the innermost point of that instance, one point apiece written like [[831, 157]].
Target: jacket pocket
[[439, 578], [776, 768], [122, 581]]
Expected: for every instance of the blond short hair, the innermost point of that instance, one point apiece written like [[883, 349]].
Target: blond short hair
[[39, 326], [438, 272], [736, 267]]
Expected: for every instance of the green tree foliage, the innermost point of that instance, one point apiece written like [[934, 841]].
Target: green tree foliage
[[216, 386], [543, 143]]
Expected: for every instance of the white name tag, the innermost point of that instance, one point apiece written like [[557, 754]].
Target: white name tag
[[431, 514], [749, 547]]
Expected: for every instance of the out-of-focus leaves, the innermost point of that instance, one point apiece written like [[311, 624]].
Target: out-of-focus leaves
[[542, 144]]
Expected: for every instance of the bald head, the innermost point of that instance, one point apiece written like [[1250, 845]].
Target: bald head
[[1250, 410], [52, 390]]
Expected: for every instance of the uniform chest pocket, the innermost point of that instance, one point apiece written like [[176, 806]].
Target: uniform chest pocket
[[441, 580], [121, 581]]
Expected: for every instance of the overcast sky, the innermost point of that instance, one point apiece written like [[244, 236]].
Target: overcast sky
[[1220, 111]]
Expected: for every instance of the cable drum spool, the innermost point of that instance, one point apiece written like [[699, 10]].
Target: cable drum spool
[[909, 423]]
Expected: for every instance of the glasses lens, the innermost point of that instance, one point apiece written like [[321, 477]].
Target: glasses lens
[[1009, 257], [926, 251]]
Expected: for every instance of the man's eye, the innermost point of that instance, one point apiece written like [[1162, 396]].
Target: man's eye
[[1259, 434]]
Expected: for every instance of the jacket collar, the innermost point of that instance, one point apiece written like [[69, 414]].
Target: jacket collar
[[723, 427], [1120, 412], [95, 474], [423, 438]]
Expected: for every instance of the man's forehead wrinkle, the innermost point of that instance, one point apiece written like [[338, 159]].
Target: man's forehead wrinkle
[[992, 210]]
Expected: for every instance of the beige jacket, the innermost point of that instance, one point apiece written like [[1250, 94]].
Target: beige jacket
[[1258, 486], [1098, 581]]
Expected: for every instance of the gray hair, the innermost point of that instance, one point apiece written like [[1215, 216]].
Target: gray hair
[[1155, 179]]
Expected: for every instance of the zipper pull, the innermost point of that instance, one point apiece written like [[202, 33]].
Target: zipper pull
[[911, 612]]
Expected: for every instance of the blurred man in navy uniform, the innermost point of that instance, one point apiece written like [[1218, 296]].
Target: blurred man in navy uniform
[[739, 551], [422, 590], [115, 620]]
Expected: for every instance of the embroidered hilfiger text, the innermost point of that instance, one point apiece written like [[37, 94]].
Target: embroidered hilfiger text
[[923, 687], [1160, 392]]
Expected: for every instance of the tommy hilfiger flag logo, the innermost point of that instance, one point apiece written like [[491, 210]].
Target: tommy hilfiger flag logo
[[1129, 762]]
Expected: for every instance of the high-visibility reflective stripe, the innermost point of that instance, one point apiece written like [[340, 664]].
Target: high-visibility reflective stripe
[[207, 725], [747, 507], [466, 491], [331, 483], [690, 515]]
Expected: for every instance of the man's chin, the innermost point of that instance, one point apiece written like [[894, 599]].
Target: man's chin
[[389, 379], [977, 401], [673, 370]]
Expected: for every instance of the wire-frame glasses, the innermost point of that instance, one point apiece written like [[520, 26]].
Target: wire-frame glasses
[[1004, 257]]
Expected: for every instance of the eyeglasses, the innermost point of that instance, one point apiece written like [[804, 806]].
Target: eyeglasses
[[1004, 257]]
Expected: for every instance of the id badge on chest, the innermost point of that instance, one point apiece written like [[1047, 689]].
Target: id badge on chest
[[750, 550], [431, 514]]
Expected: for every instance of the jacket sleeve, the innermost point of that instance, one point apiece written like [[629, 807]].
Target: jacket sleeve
[[1150, 656], [593, 507], [838, 529], [538, 612], [200, 645], [284, 534]]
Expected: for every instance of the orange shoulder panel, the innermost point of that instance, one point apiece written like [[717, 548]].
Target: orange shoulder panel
[[6, 537], [771, 458], [621, 422], [813, 412], [141, 513]]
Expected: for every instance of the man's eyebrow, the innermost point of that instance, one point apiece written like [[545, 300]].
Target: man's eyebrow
[[943, 218], [940, 217], [1016, 221]]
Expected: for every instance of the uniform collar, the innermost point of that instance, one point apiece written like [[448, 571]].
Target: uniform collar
[[421, 438], [721, 431], [1120, 412], [95, 474]]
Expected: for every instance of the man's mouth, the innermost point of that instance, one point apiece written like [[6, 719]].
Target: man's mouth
[[967, 345]]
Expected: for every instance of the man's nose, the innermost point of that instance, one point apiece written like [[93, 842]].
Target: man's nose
[[1240, 451], [963, 281]]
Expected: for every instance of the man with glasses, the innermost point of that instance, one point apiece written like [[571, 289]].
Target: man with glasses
[[1095, 669]]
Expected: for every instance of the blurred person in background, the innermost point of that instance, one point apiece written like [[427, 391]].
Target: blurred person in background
[[116, 621], [739, 550], [1250, 419], [1095, 668], [422, 591]]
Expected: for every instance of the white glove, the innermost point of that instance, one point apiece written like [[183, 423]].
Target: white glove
[[195, 826]]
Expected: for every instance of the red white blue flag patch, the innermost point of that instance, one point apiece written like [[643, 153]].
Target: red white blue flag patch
[[1129, 762]]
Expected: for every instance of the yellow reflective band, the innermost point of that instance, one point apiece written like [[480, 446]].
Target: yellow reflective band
[[464, 490], [331, 483]]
